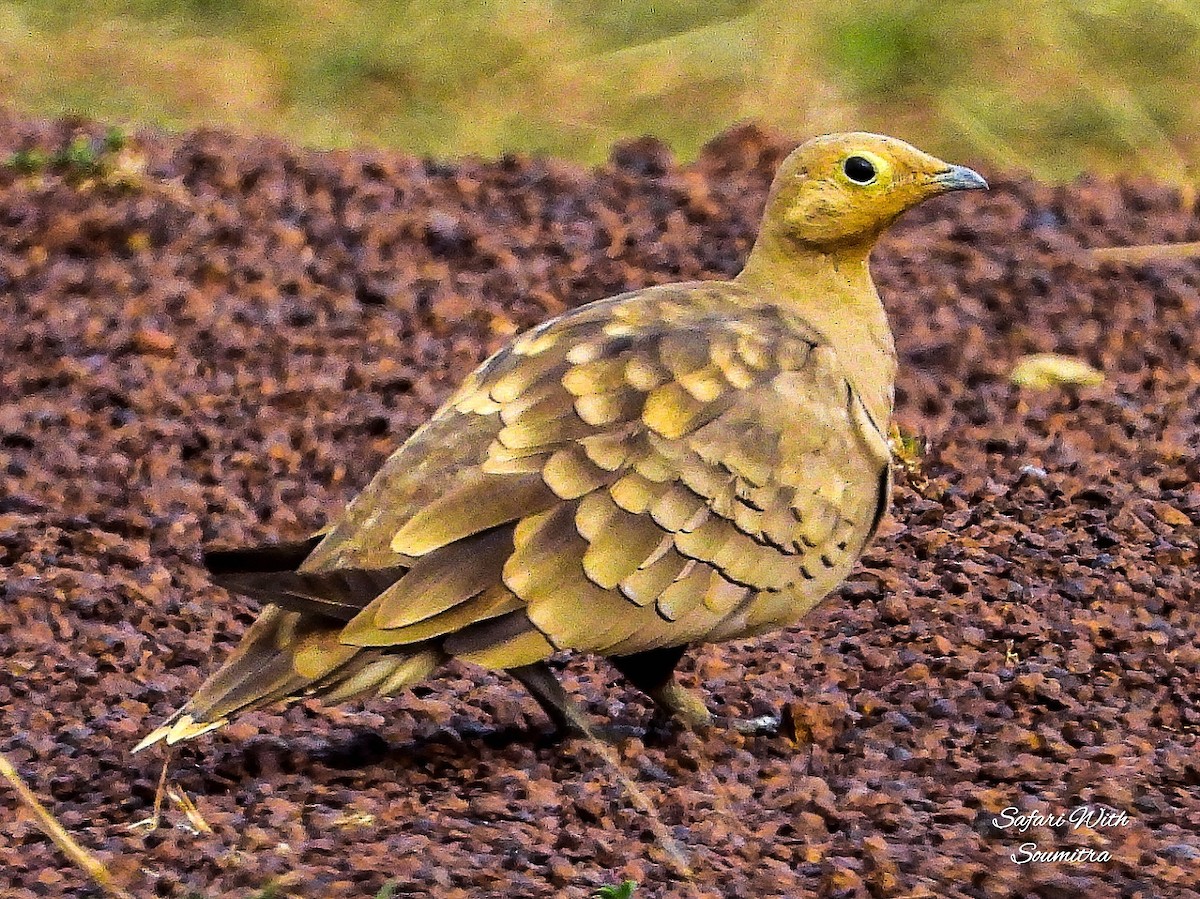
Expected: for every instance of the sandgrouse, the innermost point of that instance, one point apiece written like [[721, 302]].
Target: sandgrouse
[[682, 464]]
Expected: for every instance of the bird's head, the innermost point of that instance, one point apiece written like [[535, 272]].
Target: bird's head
[[843, 190]]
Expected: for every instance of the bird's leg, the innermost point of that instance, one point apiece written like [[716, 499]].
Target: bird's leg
[[541, 683], [653, 672]]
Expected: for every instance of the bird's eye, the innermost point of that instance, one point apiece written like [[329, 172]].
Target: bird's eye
[[859, 169]]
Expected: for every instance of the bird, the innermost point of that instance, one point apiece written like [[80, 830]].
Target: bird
[[678, 465]]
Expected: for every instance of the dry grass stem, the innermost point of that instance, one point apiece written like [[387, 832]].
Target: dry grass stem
[[56, 832], [1147, 252], [181, 799]]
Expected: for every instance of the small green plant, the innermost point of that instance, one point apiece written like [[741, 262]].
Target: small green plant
[[82, 157], [115, 140], [388, 890], [908, 454], [85, 160], [624, 891], [28, 162]]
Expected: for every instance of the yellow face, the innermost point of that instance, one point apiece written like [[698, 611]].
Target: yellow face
[[844, 189]]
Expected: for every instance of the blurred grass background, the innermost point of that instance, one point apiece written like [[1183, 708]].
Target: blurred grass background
[[1056, 88]]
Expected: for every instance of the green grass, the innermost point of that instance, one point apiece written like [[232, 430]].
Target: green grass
[[1053, 87], [82, 158], [624, 891]]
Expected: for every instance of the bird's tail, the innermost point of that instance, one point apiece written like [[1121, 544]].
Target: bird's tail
[[294, 650], [286, 656]]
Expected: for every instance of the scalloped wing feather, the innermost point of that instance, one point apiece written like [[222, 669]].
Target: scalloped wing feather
[[659, 463]]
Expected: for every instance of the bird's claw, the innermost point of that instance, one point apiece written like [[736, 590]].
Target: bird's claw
[[763, 725]]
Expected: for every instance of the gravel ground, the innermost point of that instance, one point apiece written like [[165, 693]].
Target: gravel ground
[[225, 350]]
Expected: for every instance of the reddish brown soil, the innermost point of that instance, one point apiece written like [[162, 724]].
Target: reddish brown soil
[[230, 357]]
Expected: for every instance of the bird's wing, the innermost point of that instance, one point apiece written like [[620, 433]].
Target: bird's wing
[[638, 474]]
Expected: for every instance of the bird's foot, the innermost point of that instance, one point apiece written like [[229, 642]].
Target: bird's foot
[[685, 706], [763, 725]]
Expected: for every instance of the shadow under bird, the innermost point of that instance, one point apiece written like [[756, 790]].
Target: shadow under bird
[[683, 464]]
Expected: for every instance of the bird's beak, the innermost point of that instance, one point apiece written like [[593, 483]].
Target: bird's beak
[[959, 177]]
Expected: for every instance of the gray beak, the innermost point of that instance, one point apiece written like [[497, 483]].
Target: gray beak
[[959, 177]]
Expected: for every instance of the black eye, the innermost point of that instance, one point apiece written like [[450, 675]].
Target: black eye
[[859, 170]]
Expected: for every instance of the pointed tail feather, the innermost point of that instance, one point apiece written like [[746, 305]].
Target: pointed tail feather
[[294, 649], [291, 655]]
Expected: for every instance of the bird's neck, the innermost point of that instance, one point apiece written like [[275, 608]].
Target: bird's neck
[[834, 292]]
